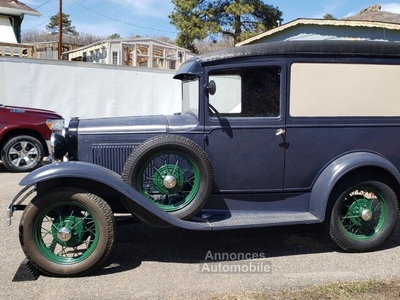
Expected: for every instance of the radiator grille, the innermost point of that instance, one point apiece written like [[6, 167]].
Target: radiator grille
[[111, 157]]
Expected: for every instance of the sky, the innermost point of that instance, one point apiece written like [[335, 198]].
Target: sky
[[149, 18]]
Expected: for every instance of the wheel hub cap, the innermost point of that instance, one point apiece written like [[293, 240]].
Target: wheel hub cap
[[64, 234], [168, 178], [366, 215], [69, 231], [169, 181], [360, 210]]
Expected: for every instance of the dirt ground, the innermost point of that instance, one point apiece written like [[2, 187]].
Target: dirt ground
[[358, 290]]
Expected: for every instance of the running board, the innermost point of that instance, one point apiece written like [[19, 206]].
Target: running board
[[234, 220]]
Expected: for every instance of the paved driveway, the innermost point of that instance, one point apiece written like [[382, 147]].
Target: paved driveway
[[166, 263]]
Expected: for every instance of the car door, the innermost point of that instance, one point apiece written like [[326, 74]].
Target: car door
[[244, 127]]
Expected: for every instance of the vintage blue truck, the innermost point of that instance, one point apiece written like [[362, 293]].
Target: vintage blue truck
[[269, 134]]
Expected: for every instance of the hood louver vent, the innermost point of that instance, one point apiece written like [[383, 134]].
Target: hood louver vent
[[112, 157]]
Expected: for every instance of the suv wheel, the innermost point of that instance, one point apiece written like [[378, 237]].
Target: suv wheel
[[22, 154]]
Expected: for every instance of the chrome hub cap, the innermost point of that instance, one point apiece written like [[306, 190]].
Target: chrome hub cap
[[64, 234], [169, 181], [366, 215]]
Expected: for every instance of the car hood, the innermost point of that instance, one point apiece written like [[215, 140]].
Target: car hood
[[140, 124], [28, 110]]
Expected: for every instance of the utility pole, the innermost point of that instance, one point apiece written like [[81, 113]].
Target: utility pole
[[60, 29]]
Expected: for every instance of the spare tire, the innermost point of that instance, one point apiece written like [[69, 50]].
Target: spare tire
[[171, 171]]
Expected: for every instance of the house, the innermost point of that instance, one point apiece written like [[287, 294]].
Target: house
[[137, 52], [12, 14], [370, 24], [49, 50]]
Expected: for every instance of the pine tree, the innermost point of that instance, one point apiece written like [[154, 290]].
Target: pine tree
[[329, 17], [67, 28]]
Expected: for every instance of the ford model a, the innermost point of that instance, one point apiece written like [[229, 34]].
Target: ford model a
[[271, 134]]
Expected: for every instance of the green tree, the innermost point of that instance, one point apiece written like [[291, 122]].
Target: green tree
[[67, 28], [329, 17], [114, 36], [239, 19]]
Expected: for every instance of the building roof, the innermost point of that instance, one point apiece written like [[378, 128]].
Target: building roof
[[17, 8], [319, 22], [127, 41], [370, 17]]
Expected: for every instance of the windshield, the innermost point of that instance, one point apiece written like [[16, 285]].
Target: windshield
[[190, 96]]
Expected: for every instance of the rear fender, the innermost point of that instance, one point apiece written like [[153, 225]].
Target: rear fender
[[136, 202], [337, 169]]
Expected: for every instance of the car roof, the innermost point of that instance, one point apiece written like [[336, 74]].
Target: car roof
[[345, 47]]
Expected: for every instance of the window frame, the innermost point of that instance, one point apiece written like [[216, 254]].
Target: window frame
[[253, 120]]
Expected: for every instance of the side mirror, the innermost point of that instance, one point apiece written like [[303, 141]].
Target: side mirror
[[211, 88]]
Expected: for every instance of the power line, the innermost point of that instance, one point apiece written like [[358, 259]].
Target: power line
[[123, 22], [40, 17], [38, 24], [42, 4]]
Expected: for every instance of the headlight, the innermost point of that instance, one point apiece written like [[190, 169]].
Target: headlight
[[56, 125], [60, 146]]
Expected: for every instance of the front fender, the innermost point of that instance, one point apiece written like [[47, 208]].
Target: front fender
[[136, 202], [338, 168]]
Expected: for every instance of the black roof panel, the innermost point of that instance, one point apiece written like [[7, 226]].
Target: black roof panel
[[356, 48]]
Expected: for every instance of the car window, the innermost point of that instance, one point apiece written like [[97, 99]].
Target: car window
[[190, 96], [246, 92]]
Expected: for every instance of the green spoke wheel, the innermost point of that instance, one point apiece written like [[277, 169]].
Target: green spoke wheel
[[67, 232], [170, 179], [361, 214], [171, 171]]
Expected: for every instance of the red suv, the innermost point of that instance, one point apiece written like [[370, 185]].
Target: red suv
[[25, 136]]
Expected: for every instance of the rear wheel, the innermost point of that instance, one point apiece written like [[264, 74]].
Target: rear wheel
[[22, 154], [362, 213], [67, 232]]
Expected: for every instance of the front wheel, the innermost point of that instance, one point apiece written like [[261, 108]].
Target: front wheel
[[67, 232], [362, 213], [22, 154]]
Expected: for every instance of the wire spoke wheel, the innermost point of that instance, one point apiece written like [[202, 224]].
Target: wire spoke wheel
[[361, 213], [171, 171], [170, 179], [66, 231]]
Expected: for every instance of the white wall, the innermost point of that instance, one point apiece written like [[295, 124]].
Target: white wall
[[88, 90], [7, 34]]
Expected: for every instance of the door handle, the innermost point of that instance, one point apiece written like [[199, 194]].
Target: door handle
[[280, 131]]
